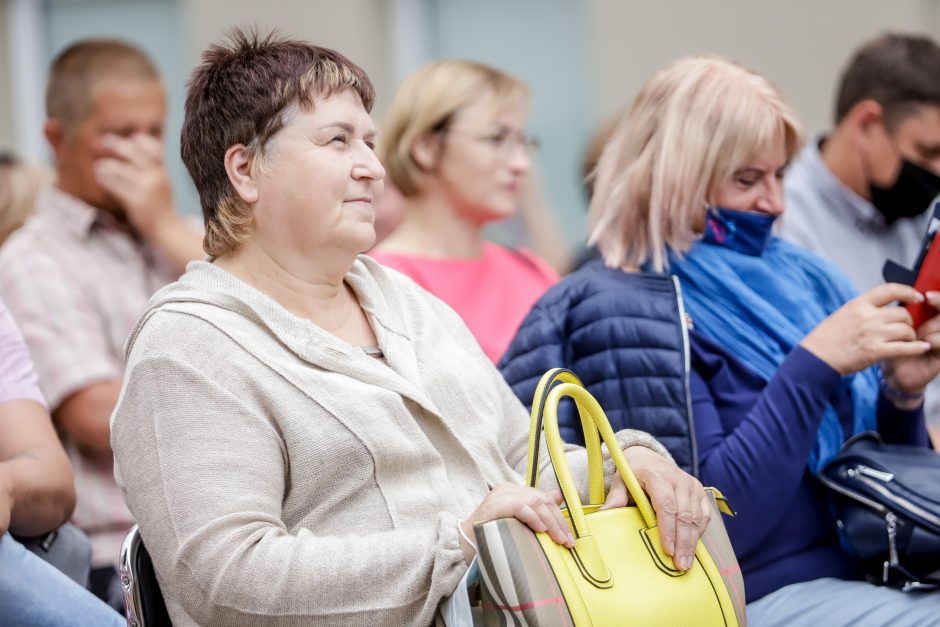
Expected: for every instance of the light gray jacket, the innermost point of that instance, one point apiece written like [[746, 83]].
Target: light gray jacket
[[283, 477]]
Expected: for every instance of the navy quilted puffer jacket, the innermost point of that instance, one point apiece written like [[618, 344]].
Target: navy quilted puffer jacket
[[624, 336]]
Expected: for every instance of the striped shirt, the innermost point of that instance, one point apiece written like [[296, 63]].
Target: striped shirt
[[76, 280]]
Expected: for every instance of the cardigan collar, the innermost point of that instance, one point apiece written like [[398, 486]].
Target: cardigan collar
[[207, 284]]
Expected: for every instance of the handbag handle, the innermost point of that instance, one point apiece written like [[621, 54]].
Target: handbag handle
[[555, 385], [591, 441]]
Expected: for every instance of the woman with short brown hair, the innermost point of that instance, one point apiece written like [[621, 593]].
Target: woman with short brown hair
[[304, 436]]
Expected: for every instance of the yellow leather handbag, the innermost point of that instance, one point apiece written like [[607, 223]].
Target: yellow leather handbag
[[617, 572]]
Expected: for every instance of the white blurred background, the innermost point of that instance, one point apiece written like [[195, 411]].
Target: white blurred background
[[584, 60]]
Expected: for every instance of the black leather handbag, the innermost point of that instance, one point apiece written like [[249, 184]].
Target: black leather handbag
[[886, 498]]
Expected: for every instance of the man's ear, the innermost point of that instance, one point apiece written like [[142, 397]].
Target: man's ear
[[238, 167], [427, 150], [867, 116], [55, 135]]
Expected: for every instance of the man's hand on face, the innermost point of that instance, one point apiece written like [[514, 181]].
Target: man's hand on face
[[137, 178]]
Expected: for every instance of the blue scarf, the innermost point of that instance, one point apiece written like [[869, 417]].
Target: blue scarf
[[759, 306]]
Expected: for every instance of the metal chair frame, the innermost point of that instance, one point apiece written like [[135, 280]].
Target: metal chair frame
[[134, 558]]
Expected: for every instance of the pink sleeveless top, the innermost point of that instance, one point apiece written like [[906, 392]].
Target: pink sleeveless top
[[492, 293]]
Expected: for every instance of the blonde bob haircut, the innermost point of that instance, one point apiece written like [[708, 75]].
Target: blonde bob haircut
[[692, 126], [426, 102]]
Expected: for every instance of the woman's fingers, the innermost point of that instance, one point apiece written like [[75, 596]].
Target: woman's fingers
[[866, 330], [705, 503], [897, 314], [933, 298], [563, 533], [931, 335], [932, 326], [889, 292], [617, 496], [896, 350], [541, 514], [686, 529], [659, 479], [663, 498], [898, 332], [678, 499], [537, 509], [694, 512]]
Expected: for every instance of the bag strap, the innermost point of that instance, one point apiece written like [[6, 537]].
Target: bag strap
[[554, 386], [551, 378], [590, 412]]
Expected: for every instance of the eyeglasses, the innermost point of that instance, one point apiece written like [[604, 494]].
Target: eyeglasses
[[501, 142]]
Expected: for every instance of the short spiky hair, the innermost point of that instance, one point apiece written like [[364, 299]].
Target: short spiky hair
[[243, 93], [77, 70]]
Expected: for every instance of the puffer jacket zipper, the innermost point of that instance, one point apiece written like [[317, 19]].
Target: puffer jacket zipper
[[687, 358]]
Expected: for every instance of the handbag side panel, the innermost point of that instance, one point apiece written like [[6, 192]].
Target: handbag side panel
[[722, 559], [517, 581]]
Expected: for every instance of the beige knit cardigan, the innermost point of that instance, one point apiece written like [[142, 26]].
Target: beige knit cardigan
[[283, 477]]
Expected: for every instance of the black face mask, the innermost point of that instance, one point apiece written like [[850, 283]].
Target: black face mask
[[910, 195]]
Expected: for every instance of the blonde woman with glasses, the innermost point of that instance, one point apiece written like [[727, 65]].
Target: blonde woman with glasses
[[749, 357], [454, 144]]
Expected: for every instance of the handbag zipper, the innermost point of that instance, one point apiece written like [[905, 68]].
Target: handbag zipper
[[915, 509], [911, 581], [836, 487], [862, 469], [687, 356], [891, 524]]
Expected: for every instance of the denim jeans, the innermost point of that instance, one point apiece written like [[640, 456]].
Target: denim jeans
[[34, 593]]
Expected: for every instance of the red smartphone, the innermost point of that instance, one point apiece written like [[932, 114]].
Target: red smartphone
[[928, 279], [925, 275]]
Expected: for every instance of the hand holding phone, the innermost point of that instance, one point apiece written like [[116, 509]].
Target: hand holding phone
[[925, 274]]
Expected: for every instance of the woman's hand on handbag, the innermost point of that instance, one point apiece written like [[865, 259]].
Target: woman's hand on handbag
[[535, 508], [865, 330], [907, 377], [617, 495], [682, 507]]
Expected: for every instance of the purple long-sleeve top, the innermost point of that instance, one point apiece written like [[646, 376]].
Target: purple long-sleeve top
[[754, 439]]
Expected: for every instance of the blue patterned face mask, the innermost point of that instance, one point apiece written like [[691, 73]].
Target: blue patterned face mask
[[746, 232]]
